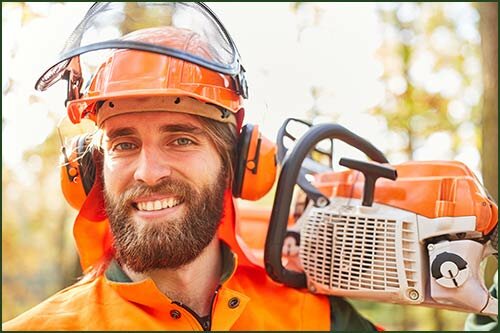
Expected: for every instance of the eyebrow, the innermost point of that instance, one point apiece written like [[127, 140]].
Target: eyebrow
[[182, 128], [121, 131], [124, 131]]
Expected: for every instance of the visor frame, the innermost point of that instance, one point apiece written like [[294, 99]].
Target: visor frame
[[71, 57]]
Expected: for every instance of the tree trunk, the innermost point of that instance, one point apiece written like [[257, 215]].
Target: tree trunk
[[439, 321], [488, 28]]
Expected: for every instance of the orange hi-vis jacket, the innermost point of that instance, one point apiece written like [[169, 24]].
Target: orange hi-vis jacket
[[247, 299]]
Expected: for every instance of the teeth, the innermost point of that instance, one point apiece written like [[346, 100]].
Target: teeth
[[157, 204], [167, 203]]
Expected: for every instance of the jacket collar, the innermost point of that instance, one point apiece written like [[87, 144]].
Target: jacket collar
[[115, 274], [147, 294]]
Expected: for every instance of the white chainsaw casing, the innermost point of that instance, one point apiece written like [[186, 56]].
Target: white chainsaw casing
[[379, 253]]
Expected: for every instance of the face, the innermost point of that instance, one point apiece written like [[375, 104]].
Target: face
[[164, 187]]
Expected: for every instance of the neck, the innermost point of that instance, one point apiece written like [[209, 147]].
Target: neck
[[193, 284]]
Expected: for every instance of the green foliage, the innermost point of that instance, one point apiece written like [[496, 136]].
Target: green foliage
[[36, 232], [145, 17], [394, 317], [413, 108]]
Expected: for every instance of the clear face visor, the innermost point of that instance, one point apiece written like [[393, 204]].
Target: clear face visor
[[116, 25]]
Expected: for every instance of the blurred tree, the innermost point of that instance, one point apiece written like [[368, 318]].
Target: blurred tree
[[38, 253], [145, 17], [415, 106], [429, 60], [488, 27], [426, 75]]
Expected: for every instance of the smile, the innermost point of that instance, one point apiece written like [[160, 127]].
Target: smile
[[155, 205]]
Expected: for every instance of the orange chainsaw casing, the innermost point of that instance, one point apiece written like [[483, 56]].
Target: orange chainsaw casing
[[428, 188]]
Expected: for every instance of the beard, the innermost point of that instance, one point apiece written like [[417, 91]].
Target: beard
[[171, 242]]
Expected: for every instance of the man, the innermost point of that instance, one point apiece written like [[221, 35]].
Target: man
[[155, 232]]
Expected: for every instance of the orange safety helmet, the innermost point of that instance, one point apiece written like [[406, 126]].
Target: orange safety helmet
[[132, 74]]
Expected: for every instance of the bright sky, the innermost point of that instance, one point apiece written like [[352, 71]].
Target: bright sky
[[285, 55]]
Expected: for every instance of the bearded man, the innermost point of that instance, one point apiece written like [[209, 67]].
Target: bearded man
[[156, 225]]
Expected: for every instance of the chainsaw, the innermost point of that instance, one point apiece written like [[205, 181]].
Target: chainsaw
[[413, 233]]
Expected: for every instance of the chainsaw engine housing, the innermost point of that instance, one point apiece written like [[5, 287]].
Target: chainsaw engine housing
[[389, 253]]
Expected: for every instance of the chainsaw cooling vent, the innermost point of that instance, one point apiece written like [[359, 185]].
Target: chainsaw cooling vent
[[359, 252]]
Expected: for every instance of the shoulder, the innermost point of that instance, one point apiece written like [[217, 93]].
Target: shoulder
[[274, 305], [64, 310], [304, 305], [255, 283]]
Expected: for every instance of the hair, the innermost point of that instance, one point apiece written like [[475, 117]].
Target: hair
[[224, 138]]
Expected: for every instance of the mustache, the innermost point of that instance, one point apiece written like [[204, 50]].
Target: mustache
[[168, 186]]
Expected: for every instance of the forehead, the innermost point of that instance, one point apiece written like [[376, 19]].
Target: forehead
[[149, 120]]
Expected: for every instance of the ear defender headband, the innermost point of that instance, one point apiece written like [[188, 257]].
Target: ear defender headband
[[255, 170]]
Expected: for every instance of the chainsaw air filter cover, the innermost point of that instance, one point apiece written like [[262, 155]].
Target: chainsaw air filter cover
[[350, 250]]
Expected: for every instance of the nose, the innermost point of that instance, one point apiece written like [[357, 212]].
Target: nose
[[152, 167]]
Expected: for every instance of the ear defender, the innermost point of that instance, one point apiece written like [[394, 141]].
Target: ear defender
[[77, 171], [255, 170]]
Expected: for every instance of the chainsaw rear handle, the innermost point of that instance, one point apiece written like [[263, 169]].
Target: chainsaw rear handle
[[287, 179]]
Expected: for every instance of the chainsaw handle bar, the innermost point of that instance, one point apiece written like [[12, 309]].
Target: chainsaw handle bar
[[282, 150], [283, 197], [309, 165]]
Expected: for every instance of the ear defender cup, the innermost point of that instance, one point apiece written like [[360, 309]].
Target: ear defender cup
[[255, 170], [77, 171]]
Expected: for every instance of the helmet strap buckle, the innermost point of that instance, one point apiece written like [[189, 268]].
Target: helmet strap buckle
[[241, 83], [73, 75]]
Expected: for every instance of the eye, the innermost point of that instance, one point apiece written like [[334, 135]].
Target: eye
[[183, 141], [124, 146]]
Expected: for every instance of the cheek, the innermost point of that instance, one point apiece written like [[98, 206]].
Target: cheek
[[114, 176], [202, 169]]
